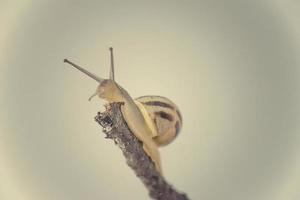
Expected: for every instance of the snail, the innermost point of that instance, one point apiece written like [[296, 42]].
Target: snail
[[154, 120]]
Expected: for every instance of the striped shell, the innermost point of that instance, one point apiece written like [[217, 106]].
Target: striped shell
[[162, 116]]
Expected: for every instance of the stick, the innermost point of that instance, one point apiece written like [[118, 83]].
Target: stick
[[115, 128]]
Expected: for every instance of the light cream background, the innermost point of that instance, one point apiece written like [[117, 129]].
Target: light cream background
[[232, 67]]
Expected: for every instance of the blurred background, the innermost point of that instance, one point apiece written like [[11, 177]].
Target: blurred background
[[232, 67]]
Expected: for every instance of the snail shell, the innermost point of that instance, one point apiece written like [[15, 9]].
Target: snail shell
[[162, 116]]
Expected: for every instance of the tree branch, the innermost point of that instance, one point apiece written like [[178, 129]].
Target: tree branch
[[115, 128]]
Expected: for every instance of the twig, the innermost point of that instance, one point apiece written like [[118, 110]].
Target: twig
[[115, 128]]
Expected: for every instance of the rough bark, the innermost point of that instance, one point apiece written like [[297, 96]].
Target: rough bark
[[115, 128]]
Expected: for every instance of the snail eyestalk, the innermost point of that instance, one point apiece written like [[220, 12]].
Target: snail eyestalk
[[93, 76], [112, 67]]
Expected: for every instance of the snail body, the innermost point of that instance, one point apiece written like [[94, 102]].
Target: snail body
[[154, 120]]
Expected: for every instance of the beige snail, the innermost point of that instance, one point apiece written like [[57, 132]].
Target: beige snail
[[154, 120]]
